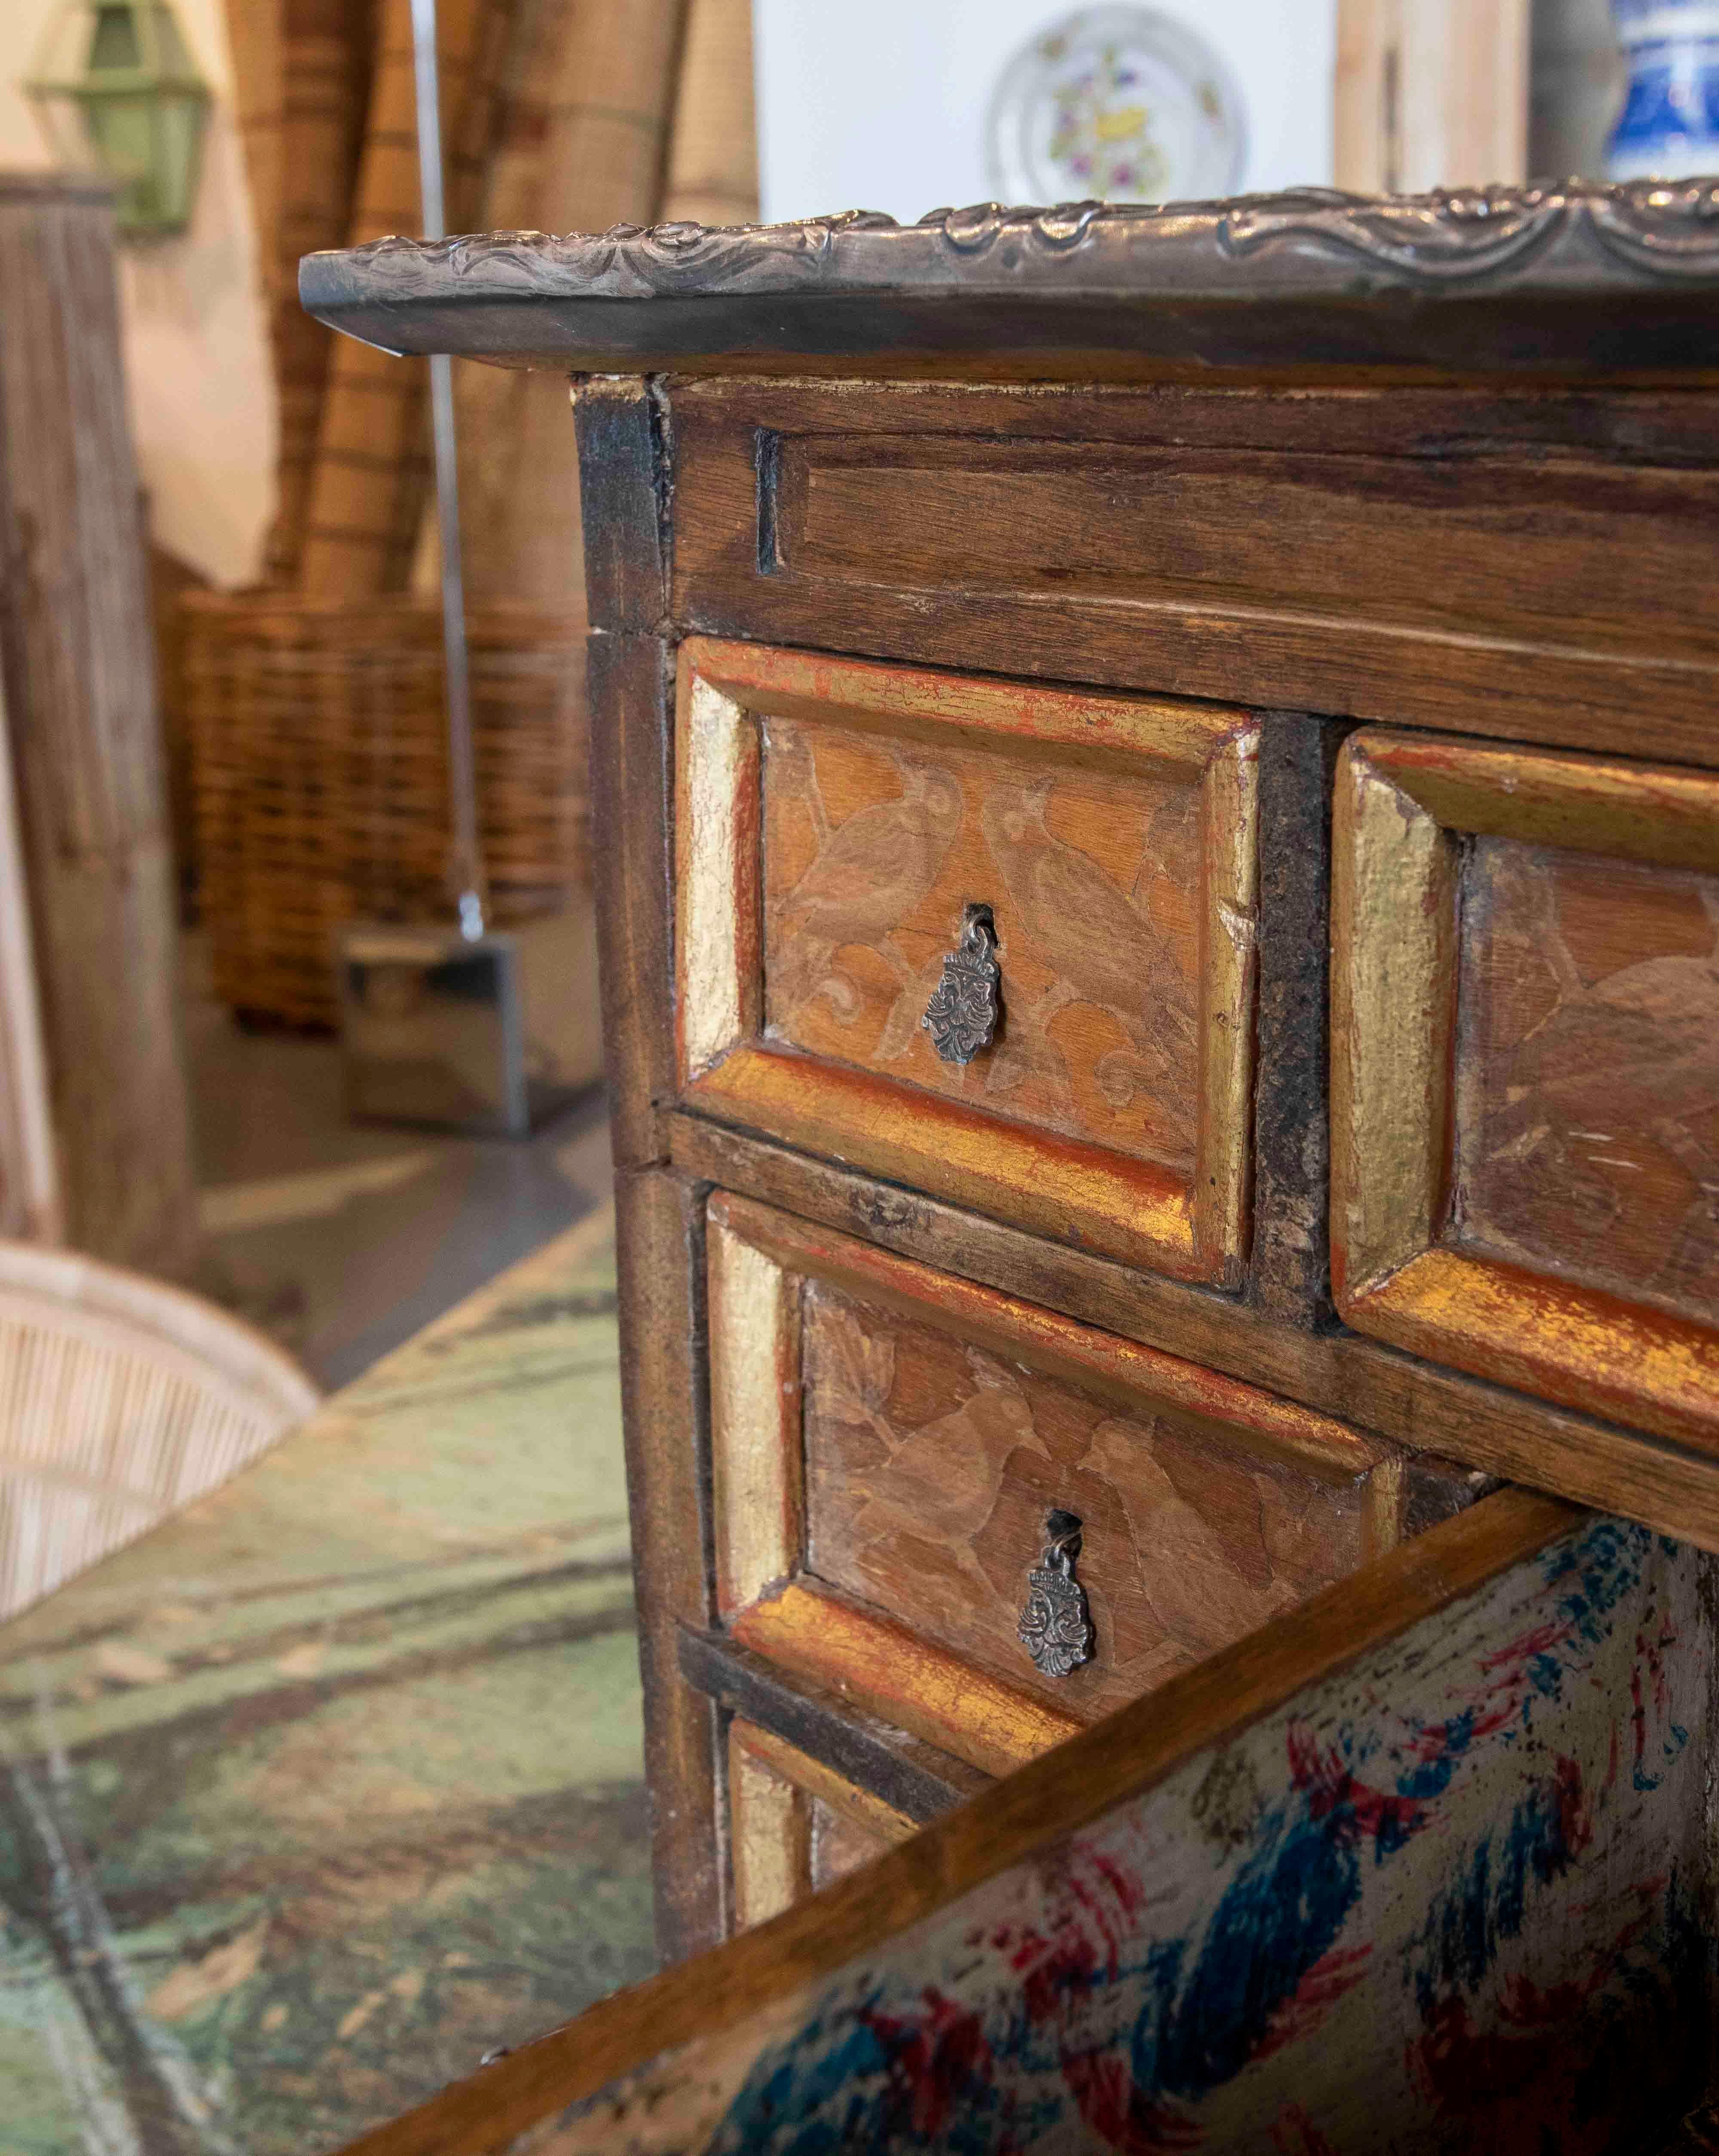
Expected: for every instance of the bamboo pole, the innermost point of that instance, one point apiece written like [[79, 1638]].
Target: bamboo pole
[[254, 33], [1430, 93], [712, 150], [610, 67], [324, 63], [76, 645], [368, 482]]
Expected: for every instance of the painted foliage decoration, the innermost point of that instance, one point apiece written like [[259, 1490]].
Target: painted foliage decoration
[[1448, 1899]]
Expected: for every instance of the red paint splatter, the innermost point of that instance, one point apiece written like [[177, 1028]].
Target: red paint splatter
[[1575, 1813], [1333, 1793], [1059, 1968], [1293, 2133], [1112, 2107], [1517, 2083], [1331, 1977], [934, 2061]]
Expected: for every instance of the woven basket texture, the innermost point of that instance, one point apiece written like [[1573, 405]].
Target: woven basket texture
[[121, 1400], [320, 778]]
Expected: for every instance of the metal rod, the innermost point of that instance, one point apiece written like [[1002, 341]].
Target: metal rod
[[467, 863]]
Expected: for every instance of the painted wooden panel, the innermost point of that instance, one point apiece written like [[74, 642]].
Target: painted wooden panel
[[769, 1832], [1451, 1895], [1525, 1037], [795, 1823], [874, 844], [931, 1462], [834, 819], [838, 1844], [930, 1426], [1588, 1062]]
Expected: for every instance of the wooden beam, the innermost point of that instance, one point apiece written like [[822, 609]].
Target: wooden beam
[[1430, 94], [77, 644]]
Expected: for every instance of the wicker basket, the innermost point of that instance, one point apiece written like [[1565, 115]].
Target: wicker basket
[[320, 778], [122, 1399]]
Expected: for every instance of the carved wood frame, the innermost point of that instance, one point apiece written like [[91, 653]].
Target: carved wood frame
[[756, 1258], [1404, 802], [1132, 1209]]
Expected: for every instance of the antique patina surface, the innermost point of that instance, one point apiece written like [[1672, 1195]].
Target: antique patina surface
[[297, 1792]]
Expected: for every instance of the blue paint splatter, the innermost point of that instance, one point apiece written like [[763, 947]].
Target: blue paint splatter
[[1431, 1777], [1597, 1567], [1645, 1782], [1204, 2019], [1488, 1901]]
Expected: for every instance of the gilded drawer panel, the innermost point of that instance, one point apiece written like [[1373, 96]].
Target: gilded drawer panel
[[932, 1462], [1526, 1083], [835, 821], [889, 1441], [872, 844]]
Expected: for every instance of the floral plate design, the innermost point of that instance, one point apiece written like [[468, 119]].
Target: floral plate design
[[1115, 104]]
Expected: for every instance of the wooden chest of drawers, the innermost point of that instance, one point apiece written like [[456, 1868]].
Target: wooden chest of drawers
[[1158, 801]]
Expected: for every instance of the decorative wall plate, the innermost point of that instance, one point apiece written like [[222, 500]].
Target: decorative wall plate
[[1115, 104]]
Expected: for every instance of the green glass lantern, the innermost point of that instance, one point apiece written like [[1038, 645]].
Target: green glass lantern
[[115, 81]]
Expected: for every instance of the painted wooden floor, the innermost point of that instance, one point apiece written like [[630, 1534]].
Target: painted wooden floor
[[333, 1782]]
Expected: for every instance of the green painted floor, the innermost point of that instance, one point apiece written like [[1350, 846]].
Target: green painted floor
[[334, 1782]]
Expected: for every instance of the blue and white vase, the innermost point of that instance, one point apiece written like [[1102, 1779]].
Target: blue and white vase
[[1669, 129]]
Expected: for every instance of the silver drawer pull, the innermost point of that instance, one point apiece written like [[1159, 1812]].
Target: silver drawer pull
[[1056, 1626], [962, 1014]]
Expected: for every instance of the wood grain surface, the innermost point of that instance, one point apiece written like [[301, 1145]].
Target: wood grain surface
[[1289, 1274], [659, 1237], [1129, 1754], [753, 1313], [770, 1831], [1480, 1423], [1570, 1252], [1115, 840], [629, 673], [840, 1844], [1522, 564], [931, 1465], [910, 1777], [945, 1700], [936, 1424], [842, 1803], [1587, 1062], [83, 729], [873, 845]]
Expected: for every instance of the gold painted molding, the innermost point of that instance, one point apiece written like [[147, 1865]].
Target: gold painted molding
[[756, 1469], [757, 1258], [770, 1834], [1404, 802], [858, 1807], [1133, 1209]]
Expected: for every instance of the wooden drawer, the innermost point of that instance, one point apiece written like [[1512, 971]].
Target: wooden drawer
[[835, 819], [887, 1442], [1526, 1071], [795, 1825], [1425, 1866]]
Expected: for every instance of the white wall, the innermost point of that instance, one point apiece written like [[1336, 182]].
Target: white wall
[[883, 106], [195, 330]]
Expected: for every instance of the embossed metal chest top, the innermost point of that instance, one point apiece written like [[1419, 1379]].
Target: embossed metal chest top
[[1158, 786]]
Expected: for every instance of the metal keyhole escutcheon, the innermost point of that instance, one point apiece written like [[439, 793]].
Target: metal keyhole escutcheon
[[962, 1014], [1056, 1626]]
